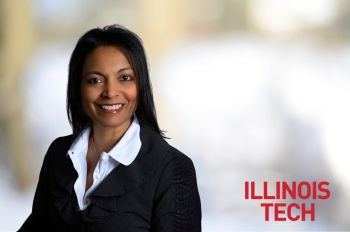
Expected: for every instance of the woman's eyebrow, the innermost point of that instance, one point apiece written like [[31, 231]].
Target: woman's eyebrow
[[92, 73], [101, 74], [123, 69]]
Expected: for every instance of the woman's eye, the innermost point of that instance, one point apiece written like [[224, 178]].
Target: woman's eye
[[126, 78], [94, 81]]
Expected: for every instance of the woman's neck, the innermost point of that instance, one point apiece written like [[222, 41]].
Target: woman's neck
[[105, 138]]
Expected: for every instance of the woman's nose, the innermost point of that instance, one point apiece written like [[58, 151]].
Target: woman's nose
[[111, 90]]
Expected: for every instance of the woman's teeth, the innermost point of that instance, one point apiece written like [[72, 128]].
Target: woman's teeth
[[112, 107]]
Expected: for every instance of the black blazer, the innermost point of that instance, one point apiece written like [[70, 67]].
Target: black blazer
[[157, 192]]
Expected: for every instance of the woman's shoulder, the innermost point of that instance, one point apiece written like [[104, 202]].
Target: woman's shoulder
[[154, 143], [60, 145], [65, 140]]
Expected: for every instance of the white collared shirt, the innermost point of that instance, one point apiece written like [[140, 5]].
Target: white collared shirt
[[124, 152]]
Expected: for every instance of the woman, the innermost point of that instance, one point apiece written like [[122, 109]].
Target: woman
[[115, 172]]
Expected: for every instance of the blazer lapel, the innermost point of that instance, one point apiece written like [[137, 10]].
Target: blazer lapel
[[125, 178], [62, 190], [121, 180]]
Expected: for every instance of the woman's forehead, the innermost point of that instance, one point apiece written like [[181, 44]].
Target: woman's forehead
[[107, 57]]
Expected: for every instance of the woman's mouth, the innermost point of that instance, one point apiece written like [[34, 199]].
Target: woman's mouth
[[116, 108]]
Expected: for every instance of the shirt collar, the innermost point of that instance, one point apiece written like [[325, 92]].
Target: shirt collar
[[124, 152]]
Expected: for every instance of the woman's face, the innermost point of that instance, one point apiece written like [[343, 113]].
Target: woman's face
[[108, 88]]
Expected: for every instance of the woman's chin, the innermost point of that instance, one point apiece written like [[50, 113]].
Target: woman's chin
[[113, 123]]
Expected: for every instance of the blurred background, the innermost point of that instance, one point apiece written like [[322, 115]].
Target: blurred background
[[250, 90]]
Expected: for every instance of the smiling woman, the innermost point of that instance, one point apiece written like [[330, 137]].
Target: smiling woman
[[115, 172], [108, 97]]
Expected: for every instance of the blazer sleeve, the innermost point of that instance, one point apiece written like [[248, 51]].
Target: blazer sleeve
[[177, 204], [38, 219]]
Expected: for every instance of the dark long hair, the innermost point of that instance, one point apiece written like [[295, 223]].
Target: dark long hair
[[132, 48]]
